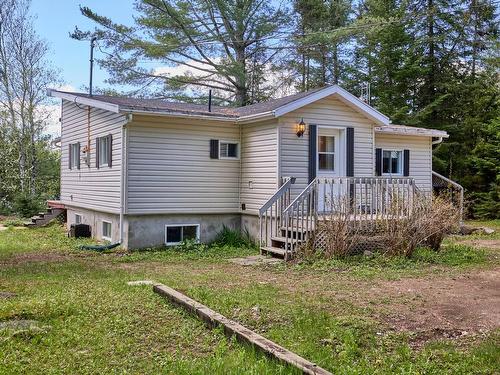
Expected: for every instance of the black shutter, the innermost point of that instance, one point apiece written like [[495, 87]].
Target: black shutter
[[406, 160], [350, 152], [312, 151], [97, 141], [70, 157], [214, 149], [378, 162], [110, 150], [79, 157]]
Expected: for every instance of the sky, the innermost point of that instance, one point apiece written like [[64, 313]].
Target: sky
[[54, 20]]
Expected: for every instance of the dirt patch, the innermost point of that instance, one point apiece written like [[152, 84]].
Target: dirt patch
[[6, 295], [34, 257], [481, 243], [432, 308]]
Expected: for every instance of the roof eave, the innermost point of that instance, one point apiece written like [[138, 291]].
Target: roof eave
[[84, 101], [178, 115], [433, 133], [257, 117]]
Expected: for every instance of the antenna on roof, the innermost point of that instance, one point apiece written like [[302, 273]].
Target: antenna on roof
[[92, 45], [209, 100], [366, 92]]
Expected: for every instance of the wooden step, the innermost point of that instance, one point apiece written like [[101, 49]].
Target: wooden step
[[283, 239], [274, 251]]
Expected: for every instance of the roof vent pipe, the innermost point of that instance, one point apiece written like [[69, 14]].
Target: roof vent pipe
[[209, 100], [92, 45]]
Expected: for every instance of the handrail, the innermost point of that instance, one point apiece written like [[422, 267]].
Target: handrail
[[279, 193], [270, 214], [302, 194], [451, 182], [457, 186]]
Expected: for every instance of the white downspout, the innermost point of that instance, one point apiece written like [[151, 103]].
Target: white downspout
[[123, 174]]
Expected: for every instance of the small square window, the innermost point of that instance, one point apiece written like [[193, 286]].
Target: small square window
[[106, 230], [392, 162], [228, 150], [175, 234], [78, 219]]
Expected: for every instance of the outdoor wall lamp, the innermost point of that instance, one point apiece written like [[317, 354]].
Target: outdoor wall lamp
[[300, 128]]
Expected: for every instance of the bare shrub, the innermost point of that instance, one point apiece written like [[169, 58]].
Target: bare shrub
[[423, 220], [336, 234], [427, 222]]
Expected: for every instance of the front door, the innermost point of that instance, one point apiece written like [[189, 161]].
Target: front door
[[329, 159]]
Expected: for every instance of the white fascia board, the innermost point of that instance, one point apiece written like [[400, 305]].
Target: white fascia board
[[84, 101], [255, 118], [180, 115], [345, 96], [412, 132]]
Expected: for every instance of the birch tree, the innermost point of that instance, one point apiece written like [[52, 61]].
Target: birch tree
[[25, 74]]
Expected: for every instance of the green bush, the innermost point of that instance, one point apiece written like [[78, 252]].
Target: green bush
[[234, 238], [13, 223], [26, 205]]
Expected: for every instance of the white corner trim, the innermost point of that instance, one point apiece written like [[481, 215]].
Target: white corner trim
[[344, 95], [85, 101]]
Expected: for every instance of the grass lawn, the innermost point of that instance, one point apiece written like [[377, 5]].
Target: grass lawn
[[64, 310]]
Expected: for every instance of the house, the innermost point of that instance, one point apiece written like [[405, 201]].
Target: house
[[147, 172]]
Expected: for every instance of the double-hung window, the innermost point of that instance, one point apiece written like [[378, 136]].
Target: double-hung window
[[104, 148], [392, 162], [326, 153], [74, 156]]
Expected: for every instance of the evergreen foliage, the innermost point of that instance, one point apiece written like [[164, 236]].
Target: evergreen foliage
[[428, 63]]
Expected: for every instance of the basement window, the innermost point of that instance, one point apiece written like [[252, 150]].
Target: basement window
[[78, 219], [175, 234], [106, 230], [228, 150]]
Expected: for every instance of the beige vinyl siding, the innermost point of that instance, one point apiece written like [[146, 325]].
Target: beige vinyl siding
[[259, 164], [294, 151], [420, 155], [170, 170], [89, 187]]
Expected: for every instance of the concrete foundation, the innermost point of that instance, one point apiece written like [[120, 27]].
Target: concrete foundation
[[95, 219], [143, 231], [149, 230]]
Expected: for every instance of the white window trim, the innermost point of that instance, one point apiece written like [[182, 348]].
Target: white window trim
[[401, 166], [182, 225], [102, 227], [106, 164], [238, 150], [81, 218]]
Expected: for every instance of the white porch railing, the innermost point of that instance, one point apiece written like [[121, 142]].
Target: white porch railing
[[270, 214]]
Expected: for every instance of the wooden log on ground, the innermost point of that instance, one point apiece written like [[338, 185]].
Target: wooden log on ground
[[243, 334]]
